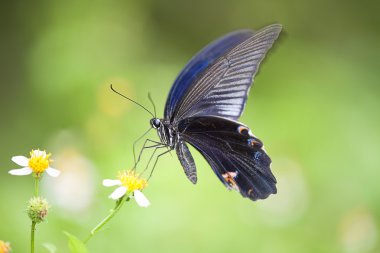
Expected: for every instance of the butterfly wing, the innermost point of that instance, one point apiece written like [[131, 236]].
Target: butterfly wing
[[236, 156], [220, 87], [196, 66]]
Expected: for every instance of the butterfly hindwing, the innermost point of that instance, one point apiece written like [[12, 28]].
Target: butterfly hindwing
[[236, 156]]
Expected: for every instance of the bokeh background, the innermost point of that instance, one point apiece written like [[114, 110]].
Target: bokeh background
[[315, 104]]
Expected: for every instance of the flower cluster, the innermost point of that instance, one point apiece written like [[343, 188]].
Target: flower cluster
[[130, 185], [37, 209]]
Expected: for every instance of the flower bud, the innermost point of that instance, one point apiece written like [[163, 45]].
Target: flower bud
[[5, 247], [37, 209]]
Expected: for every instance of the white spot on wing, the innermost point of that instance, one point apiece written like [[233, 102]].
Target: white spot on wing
[[242, 81], [232, 88], [233, 101], [229, 95], [230, 113]]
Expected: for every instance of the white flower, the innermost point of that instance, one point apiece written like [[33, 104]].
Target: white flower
[[38, 163], [128, 182]]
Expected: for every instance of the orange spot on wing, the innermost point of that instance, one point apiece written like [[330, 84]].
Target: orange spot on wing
[[230, 179]]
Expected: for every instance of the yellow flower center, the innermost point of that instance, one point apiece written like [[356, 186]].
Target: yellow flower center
[[4, 247], [39, 161], [131, 181]]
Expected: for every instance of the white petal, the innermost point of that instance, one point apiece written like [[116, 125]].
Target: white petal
[[141, 199], [111, 182], [118, 193], [39, 153], [20, 160], [21, 172], [53, 172]]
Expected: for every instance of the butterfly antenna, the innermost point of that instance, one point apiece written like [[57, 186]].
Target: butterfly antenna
[[154, 106], [131, 100]]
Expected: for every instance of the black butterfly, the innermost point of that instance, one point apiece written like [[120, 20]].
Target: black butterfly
[[203, 107]]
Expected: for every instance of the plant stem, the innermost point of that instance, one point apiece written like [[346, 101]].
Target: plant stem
[[32, 237], [113, 211], [37, 179], [32, 232]]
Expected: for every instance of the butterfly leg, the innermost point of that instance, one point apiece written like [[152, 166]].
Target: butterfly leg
[[147, 141], [151, 157], [155, 163], [135, 142]]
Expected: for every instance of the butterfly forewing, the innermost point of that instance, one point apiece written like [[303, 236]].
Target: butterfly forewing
[[222, 88], [198, 64]]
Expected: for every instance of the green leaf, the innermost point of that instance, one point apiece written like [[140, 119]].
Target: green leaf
[[76, 245], [50, 247]]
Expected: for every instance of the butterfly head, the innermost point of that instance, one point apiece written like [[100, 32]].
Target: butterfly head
[[155, 123]]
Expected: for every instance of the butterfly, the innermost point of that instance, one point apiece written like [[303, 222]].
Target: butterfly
[[203, 108]]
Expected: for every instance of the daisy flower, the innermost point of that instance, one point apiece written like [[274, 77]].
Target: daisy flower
[[128, 182], [38, 162]]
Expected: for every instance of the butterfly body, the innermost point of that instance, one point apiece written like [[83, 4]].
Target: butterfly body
[[166, 132], [203, 108]]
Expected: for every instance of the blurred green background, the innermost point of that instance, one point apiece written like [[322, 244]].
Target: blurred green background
[[315, 104]]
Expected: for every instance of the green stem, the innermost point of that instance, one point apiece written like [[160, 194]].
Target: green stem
[[32, 237], [36, 181], [96, 229]]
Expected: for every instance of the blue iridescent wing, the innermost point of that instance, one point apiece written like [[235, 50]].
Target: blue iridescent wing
[[201, 61], [221, 86], [236, 156]]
